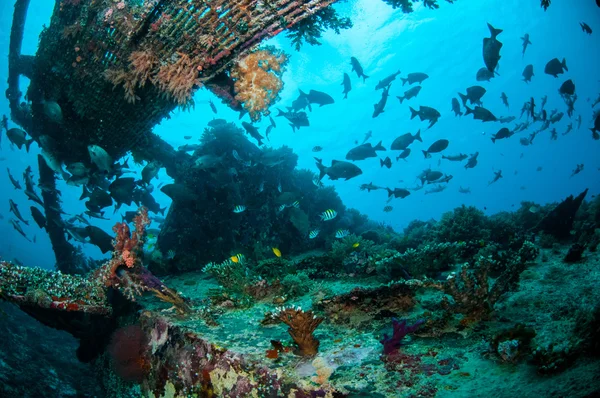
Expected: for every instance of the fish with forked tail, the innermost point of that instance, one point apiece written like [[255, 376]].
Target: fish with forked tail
[[491, 49], [338, 169], [425, 113]]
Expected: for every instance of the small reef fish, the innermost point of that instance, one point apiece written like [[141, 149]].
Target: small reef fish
[[341, 233], [388, 209], [313, 234], [276, 251], [239, 209], [238, 258], [328, 215], [356, 245]]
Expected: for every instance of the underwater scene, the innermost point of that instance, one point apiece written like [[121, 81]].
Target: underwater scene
[[300, 198]]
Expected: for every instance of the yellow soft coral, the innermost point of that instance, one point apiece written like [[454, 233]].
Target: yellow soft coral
[[258, 80]]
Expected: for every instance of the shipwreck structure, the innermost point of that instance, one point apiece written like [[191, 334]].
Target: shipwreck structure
[[106, 72]]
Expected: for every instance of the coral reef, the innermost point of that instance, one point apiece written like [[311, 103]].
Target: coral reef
[[302, 325], [258, 80]]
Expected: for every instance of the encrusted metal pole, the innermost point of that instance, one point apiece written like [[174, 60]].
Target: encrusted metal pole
[[17, 63], [66, 261]]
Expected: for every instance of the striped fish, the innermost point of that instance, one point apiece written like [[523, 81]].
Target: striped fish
[[296, 204], [281, 208], [239, 209], [313, 234], [328, 215], [238, 258], [341, 233]]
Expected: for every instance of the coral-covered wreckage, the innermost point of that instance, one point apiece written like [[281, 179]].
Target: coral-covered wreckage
[[465, 298]]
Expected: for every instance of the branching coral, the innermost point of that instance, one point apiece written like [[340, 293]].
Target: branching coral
[[125, 271], [470, 288], [258, 80], [301, 327], [400, 330], [179, 79]]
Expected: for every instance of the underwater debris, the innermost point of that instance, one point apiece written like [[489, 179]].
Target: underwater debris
[[301, 327], [258, 80]]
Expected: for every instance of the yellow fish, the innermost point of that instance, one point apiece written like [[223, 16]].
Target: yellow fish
[[235, 259], [356, 245], [276, 251]]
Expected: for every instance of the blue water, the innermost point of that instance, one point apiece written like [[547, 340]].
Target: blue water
[[446, 44]]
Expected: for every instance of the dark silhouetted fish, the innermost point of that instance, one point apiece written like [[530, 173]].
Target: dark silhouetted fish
[[369, 187], [497, 176], [586, 28], [99, 238], [19, 138], [456, 107], [387, 162], [347, 85], [567, 88], [436, 147], [504, 99], [417, 77], [491, 49], [318, 97], [555, 67], [528, 73], [398, 193], [403, 155], [253, 131], [144, 197], [338, 169], [425, 113], [411, 93], [379, 107], [364, 151], [430, 176], [480, 113], [484, 75], [526, 42], [507, 119], [402, 142], [150, 171], [455, 158], [297, 119], [474, 94], [15, 183], [596, 129], [121, 190], [387, 81], [356, 67], [472, 162], [501, 134], [299, 103]]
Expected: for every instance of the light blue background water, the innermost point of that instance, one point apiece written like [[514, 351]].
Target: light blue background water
[[446, 44]]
